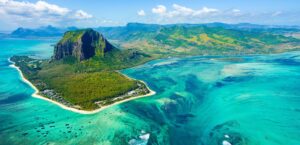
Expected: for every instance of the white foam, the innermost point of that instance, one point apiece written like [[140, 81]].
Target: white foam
[[234, 70], [132, 141], [225, 142], [145, 136], [165, 63], [226, 136], [244, 68]]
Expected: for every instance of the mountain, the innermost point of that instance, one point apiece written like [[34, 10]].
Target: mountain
[[48, 31], [203, 39], [139, 28], [3, 35], [126, 32], [275, 29], [81, 44]]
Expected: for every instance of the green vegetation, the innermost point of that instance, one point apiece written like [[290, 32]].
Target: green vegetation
[[74, 86], [182, 40], [86, 88], [100, 46], [72, 36], [113, 60]]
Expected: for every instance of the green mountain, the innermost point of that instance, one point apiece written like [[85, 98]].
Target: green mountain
[[216, 41], [203, 39], [89, 51], [82, 44]]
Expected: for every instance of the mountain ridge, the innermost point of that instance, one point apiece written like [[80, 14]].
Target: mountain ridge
[[51, 31], [45, 31]]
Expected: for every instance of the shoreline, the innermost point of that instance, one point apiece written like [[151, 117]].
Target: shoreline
[[36, 94]]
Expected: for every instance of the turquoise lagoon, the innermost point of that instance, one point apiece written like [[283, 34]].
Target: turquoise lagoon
[[241, 100]]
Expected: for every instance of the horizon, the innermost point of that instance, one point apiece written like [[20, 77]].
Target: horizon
[[9, 31], [37, 13]]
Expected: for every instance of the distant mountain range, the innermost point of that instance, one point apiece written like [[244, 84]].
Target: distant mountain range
[[110, 32], [48, 31], [188, 39], [3, 35], [203, 39]]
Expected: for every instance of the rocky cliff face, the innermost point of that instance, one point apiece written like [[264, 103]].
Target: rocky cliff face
[[82, 44]]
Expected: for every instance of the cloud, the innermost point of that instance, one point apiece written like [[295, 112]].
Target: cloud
[[80, 14], [182, 11], [160, 9], [40, 13], [185, 11], [141, 13], [236, 10], [182, 14]]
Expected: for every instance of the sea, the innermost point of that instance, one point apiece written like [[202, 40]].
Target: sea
[[199, 100]]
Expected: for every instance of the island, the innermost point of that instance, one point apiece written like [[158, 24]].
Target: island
[[83, 73]]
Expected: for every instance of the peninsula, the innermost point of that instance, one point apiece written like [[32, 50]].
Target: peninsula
[[83, 75]]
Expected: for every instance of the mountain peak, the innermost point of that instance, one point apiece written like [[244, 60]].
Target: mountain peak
[[81, 44]]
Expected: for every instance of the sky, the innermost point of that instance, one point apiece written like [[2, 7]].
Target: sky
[[94, 13]]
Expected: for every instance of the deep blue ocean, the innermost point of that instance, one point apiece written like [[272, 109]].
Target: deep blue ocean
[[240, 100]]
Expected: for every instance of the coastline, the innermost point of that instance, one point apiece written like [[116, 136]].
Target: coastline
[[36, 94]]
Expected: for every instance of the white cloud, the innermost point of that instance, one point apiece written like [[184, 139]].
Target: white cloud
[[236, 10], [42, 6], [182, 11], [160, 9], [182, 14], [40, 13], [23, 8], [205, 11], [80, 14], [141, 13]]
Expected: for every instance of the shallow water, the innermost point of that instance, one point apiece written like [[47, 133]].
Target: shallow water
[[250, 100]]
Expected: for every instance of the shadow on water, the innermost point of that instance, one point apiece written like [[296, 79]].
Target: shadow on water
[[195, 86], [290, 62], [216, 135], [13, 99], [174, 114]]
